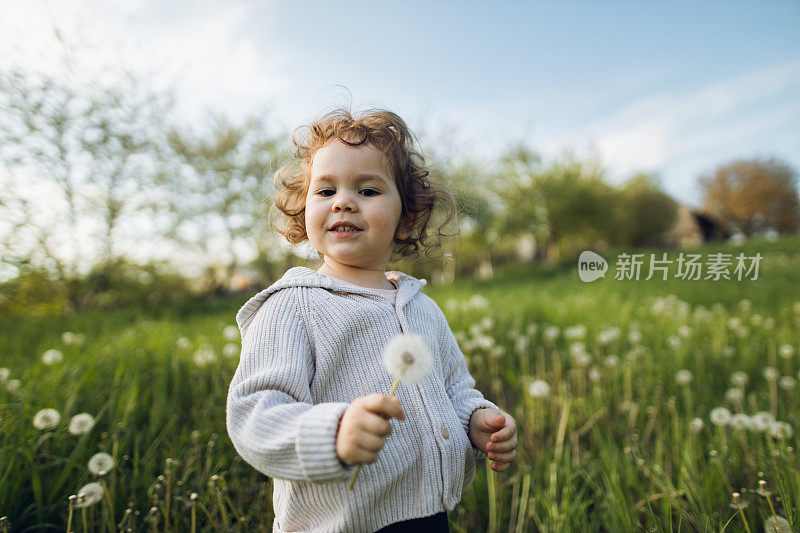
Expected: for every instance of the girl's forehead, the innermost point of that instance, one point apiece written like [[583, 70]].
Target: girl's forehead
[[335, 157]]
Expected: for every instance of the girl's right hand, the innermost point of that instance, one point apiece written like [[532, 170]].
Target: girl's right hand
[[364, 426]]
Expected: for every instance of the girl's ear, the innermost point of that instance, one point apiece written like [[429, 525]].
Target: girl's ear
[[405, 230]]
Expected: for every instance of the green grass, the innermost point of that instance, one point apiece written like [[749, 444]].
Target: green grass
[[609, 449]]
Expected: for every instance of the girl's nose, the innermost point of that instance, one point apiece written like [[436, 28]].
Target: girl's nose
[[343, 202]]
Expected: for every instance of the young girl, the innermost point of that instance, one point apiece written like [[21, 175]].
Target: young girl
[[303, 406]]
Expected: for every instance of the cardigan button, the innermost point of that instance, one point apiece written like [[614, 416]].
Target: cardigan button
[[445, 433]]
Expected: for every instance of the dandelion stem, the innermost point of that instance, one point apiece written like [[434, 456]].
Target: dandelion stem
[[358, 467], [523, 505]]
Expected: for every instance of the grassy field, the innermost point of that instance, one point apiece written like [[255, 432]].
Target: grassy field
[[640, 404]]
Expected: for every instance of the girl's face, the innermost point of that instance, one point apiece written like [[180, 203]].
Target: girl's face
[[351, 184]]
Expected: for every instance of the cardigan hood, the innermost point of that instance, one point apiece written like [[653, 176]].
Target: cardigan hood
[[407, 288]]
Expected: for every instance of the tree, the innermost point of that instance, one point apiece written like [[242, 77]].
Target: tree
[[80, 159], [752, 193], [645, 212], [218, 203]]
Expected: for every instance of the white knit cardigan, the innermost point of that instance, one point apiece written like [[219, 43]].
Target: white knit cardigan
[[311, 345]]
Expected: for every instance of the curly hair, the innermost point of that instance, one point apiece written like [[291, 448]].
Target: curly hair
[[389, 134]]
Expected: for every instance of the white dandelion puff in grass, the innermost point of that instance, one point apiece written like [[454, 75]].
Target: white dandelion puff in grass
[[634, 337], [46, 419], [81, 423], [611, 361], [204, 356], [575, 333], [683, 377], [100, 463], [230, 350], [183, 343], [52, 356], [734, 395], [487, 323], [4, 374], [761, 421], [787, 383], [231, 333], [780, 430], [407, 358], [674, 342], [728, 351], [719, 416], [740, 421], [89, 494], [786, 351], [756, 320], [685, 331], [539, 388], [68, 337], [13, 385], [739, 378], [696, 425], [551, 333], [594, 375], [777, 524], [608, 335], [771, 373]]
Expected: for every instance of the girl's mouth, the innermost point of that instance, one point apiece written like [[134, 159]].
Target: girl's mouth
[[341, 232]]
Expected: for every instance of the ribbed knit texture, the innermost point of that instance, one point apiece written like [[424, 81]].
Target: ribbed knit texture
[[311, 345]]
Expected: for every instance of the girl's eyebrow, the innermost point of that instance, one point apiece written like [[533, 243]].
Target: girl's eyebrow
[[360, 177]]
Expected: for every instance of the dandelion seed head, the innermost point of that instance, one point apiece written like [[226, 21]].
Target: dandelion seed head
[[719, 416], [739, 378], [204, 356], [539, 388], [696, 425], [740, 421], [575, 333], [634, 337], [728, 351], [734, 395], [674, 342], [231, 333], [5, 373], [89, 494], [183, 343], [407, 358], [612, 361], [52, 356], [771, 373], [761, 421], [81, 423], [787, 383], [777, 524], [685, 331], [100, 463], [786, 351], [551, 333], [781, 430], [230, 350], [13, 385], [756, 320], [46, 419], [683, 377]]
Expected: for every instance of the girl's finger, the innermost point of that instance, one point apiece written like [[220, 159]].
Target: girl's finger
[[499, 467], [504, 434], [506, 457], [502, 446]]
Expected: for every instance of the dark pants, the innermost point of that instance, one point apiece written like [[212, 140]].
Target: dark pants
[[434, 524]]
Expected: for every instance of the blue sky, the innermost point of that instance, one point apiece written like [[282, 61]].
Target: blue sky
[[673, 88]]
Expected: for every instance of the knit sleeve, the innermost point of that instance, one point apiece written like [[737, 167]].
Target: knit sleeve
[[461, 385], [271, 418]]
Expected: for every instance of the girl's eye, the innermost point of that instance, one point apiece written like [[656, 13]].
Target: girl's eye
[[324, 192], [370, 190]]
